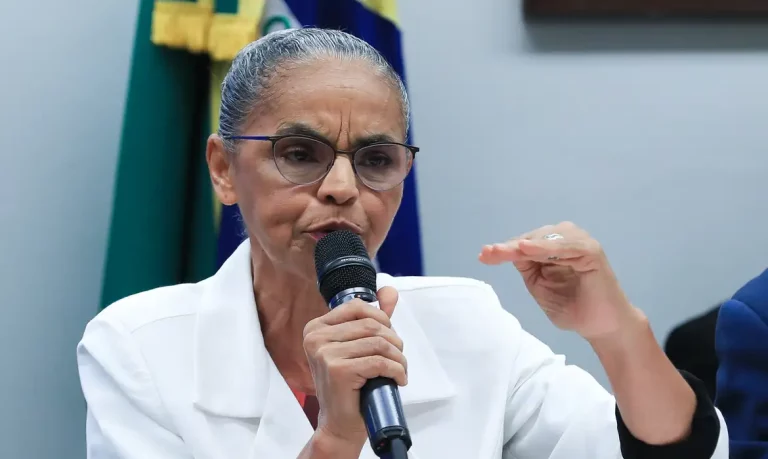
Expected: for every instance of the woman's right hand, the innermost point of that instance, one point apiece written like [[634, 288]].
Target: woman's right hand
[[347, 346]]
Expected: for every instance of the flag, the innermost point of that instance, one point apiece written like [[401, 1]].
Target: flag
[[375, 21], [162, 230]]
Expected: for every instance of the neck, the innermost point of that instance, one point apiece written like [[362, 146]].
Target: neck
[[286, 302]]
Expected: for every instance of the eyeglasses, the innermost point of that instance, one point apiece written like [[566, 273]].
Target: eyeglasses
[[304, 160]]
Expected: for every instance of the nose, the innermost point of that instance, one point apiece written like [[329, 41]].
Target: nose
[[340, 185]]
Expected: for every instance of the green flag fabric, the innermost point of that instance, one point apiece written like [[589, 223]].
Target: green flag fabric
[[162, 229]]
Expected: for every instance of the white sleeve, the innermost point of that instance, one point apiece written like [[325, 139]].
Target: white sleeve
[[559, 411], [126, 417], [556, 411]]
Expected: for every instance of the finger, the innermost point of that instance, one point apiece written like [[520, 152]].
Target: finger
[[560, 248], [387, 297], [540, 249], [581, 254], [502, 252], [377, 366], [578, 259], [365, 347], [355, 310], [358, 329], [505, 252]]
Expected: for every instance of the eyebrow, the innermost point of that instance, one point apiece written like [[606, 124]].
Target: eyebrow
[[300, 129], [309, 131]]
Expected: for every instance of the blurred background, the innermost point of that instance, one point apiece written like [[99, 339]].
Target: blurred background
[[649, 133]]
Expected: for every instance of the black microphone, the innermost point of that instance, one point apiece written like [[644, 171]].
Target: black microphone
[[344, 272]]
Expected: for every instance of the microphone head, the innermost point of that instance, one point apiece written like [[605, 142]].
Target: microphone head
[[342, 262]]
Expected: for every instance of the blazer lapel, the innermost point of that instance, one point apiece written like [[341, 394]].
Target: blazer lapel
[[284, 428], [231, 362], [427, 380]]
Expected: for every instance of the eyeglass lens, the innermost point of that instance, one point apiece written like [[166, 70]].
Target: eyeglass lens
[[302, 160]]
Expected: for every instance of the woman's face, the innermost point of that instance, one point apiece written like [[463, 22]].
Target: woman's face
[[344, 103]]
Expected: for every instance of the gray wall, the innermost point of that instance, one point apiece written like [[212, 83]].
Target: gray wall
[[62, 90], [652, 137]]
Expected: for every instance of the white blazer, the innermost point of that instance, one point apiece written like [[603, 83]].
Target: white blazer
[[182, 372]]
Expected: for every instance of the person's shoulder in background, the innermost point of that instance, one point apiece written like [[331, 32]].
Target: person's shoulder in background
[[691, 347], [742, 379]]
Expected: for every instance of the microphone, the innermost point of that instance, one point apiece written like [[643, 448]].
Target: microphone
[[344, 272]]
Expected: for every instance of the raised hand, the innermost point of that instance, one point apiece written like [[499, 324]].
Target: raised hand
[[568, 274]]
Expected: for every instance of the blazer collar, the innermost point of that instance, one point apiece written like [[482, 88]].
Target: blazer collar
[[233, 371]]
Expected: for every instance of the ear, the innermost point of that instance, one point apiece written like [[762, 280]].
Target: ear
[[220, 167]]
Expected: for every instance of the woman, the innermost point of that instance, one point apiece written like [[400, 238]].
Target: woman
[[313, 124]]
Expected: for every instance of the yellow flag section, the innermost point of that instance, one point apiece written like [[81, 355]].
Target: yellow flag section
[[184, 25], [231, 32], [384, 8], [196, 26]]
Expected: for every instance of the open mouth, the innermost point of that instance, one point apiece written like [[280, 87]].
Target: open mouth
[[317, 235], [321, 231]]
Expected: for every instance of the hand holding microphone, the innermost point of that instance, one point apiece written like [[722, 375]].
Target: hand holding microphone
[[346, 347], [355, 357]]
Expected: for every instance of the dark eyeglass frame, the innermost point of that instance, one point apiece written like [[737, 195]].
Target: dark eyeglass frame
[[351, 153]]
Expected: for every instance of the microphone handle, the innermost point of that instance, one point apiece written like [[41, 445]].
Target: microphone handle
[[380, 402]]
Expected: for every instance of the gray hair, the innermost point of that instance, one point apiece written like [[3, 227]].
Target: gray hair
[[249, 80]]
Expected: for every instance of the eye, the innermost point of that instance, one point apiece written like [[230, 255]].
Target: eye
[[378, 161], [299, 155], [300, 151], [376, 158]]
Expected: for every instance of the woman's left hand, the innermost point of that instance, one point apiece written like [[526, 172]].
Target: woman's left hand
[[569, 276]]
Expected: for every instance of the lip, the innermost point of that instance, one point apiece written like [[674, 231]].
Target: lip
[[319, 231]]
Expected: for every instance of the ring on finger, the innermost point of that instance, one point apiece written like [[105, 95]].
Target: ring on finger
[[553, 237]]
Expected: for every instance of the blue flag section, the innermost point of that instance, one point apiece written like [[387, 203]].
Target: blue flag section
[[400, 255]]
